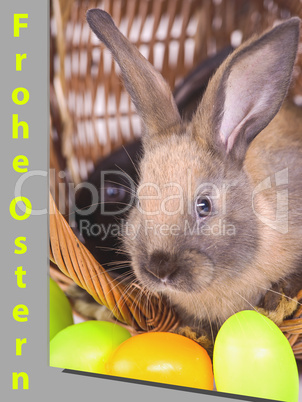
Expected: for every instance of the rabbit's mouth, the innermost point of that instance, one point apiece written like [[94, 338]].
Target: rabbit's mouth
[[192, 271]]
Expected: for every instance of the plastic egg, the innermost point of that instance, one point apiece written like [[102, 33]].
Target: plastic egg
[[60, 312], [164, 358], [86, 346], [252, 357]]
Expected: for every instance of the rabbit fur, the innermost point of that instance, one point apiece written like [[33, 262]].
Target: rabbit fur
[[218, 219]]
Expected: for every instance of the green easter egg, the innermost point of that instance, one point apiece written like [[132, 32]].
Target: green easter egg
[[252, 357], [60, 312], [86, 346]]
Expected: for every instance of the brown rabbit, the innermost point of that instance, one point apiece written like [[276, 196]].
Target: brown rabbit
[[218, 222]]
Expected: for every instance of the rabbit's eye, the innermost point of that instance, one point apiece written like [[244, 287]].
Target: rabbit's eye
[[114, 193], [203, 207]]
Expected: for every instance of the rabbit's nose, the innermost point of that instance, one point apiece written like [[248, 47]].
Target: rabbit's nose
[[162, 265]]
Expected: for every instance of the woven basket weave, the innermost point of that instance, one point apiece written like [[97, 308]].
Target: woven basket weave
[[91, 115]]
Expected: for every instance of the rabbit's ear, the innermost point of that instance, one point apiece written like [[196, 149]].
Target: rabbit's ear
[[248, 89], [149, 91]]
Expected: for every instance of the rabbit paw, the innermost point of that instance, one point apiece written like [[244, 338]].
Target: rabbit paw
[[285, 308]]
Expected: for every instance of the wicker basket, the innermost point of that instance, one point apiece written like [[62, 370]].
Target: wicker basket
[[89, 121]]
